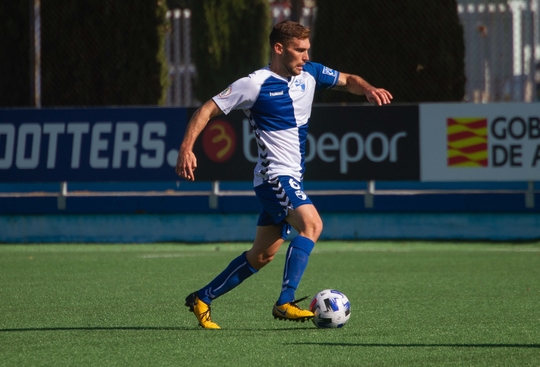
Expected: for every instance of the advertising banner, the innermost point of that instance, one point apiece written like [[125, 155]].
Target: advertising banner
[[480, 142], [94, 144], [343, 143], [141, 144]]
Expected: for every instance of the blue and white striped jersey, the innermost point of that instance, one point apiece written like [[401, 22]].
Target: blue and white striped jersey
[[279, 110]]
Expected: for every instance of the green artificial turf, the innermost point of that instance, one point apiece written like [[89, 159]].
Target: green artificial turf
[[413, 304]]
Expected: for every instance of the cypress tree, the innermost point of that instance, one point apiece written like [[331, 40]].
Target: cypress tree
[[230, 40], [413, 48]]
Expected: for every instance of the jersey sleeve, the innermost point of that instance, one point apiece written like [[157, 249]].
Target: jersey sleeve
[[324, 76], [241, 94]]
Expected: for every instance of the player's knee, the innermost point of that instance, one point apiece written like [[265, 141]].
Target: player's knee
[[313, 229], [319, 226]]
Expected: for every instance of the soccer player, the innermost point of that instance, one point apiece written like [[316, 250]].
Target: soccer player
[[277, 100]]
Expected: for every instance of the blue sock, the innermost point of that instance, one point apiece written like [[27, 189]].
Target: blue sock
[[296, 261], [237, 271]]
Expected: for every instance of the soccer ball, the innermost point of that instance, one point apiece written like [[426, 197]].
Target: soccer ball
[[332, 309]]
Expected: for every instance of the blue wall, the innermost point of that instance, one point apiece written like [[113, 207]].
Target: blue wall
[[401, 210]]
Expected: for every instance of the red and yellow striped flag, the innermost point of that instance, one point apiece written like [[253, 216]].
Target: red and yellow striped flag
[[467, 142]]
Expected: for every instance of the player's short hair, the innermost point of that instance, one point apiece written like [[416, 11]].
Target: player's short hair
[[283, 32]]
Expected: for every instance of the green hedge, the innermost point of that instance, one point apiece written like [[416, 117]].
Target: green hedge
[[97, 52], [14, 54], [104, 52]]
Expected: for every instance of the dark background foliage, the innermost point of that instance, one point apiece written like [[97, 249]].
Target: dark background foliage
[[414, 48], [111, 52]]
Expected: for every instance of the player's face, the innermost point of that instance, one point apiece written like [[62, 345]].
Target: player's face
[[295, 55]]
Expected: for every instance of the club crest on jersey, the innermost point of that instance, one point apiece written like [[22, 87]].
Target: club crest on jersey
[[301, 195], [328, 71], [226, 92], [299, 83]]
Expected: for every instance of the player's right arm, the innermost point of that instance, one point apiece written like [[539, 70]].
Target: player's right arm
[[186, 161]]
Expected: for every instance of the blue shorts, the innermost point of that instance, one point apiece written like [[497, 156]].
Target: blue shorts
[[277, 196]]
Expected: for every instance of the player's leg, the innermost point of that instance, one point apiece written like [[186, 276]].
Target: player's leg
[[302, 216], [268, 239], [307, 222], [233, 275]]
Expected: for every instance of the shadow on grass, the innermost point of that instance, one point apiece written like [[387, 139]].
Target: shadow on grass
[[98, 328], [420, 345], [141, 328]]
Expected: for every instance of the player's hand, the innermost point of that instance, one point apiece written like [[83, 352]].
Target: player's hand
[[379, 96], [186, 164]]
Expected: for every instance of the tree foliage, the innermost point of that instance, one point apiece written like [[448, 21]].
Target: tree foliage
[[230, 40]]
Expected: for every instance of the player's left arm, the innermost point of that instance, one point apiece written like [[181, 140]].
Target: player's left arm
[[356, 85]]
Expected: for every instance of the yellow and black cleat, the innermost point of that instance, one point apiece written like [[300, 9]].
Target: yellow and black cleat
[[291, 312], [201, 311]]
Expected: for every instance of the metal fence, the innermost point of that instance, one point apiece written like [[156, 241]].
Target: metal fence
[[502, 50], [182, 71]]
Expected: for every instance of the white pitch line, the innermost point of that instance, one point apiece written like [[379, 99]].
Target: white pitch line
[[165, 256]]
